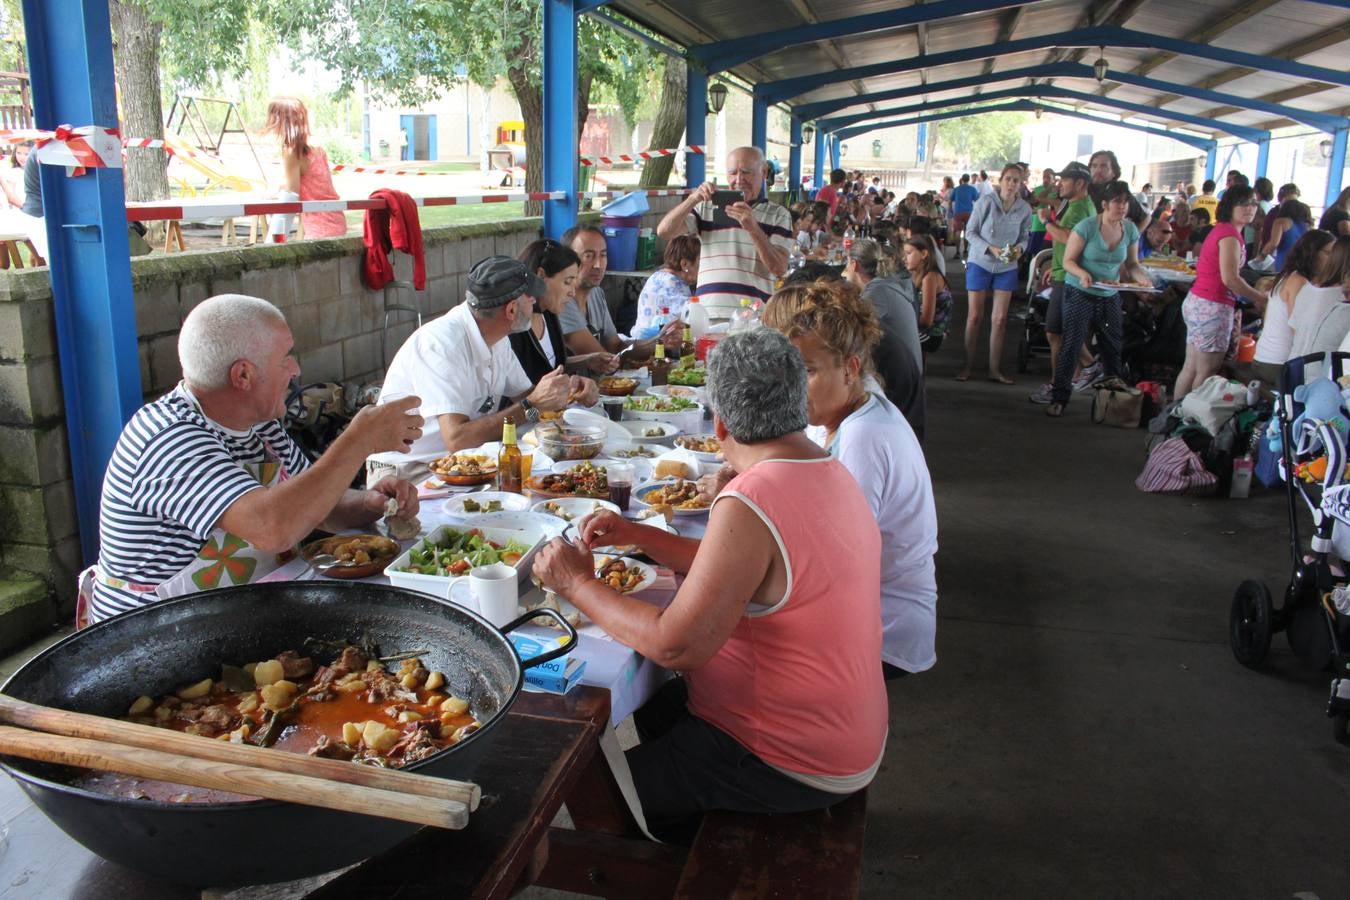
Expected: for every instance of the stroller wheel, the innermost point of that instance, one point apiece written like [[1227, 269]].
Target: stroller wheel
[[1249, 623], [1309, 636], [1023, 355]]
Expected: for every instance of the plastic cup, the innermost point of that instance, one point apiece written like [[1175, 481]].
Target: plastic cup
[[526, 466], [613, 407], [620, 478]]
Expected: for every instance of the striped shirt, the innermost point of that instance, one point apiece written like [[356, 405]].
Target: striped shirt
[[729, 267], [172, 476]]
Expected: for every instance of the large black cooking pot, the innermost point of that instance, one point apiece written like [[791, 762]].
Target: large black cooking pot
[[160, 648]]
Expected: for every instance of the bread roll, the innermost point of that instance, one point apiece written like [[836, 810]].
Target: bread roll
[[672, 468]]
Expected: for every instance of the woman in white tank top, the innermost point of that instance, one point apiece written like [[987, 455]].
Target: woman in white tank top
[[1301, 266]]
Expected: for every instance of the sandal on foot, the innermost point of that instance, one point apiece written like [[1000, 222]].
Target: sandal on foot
[[1055, 409], [1000, 379], [963, 376]]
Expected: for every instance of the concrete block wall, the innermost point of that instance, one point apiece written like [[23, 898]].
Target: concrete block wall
[[339, 332]]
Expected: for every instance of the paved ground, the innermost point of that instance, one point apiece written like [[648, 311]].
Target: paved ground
[[1086, 731]]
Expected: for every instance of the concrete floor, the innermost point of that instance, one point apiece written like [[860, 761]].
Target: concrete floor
[[1086, 731]]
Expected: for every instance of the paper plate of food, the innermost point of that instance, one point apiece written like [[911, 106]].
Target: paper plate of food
[[572, 509], [705, 447], [1136, 287], [464, 468], [357, 555], [624, 575], [627, 451], [617, 386], [679, 494], [650, 431], [676, 390], [581, 480], [485, 502]]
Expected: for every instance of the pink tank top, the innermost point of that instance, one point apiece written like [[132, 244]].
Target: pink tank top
[[1208, 280], [317, 184], [799, 684]]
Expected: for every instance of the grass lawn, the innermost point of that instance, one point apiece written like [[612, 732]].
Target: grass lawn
[[434, 216]]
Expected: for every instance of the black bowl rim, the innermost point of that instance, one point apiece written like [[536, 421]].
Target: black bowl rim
[[18, 774]]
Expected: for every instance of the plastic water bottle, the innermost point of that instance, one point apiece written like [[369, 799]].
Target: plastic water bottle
[[697, 317], [849, 236], [744, 318]]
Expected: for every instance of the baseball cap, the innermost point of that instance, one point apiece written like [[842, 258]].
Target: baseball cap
[[1076, 169], [498, 280]]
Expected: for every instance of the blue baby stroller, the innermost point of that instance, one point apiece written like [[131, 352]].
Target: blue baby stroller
[[1311, 425]]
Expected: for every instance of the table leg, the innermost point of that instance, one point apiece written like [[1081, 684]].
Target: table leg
[[597, 803]]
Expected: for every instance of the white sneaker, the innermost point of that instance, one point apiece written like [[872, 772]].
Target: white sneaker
[[1086, 377], [1044, 394]]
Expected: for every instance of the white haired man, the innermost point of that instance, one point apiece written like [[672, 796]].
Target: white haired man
[[205, 489], [745, 246]]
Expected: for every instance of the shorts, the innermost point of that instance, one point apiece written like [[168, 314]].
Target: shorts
[[929, 342], [1054, 312], [1211, 327], [979, 278], [959, 221]]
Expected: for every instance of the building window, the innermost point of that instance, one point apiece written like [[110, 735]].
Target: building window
[[1084, 145]]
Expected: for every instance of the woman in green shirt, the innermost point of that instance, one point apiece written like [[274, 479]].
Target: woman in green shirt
[[1101, 251]]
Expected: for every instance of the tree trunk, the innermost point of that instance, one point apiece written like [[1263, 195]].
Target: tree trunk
[[669, 125], [530, 97], [136, 63]]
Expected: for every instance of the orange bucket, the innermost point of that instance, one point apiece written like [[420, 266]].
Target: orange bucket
[[1246, 348]]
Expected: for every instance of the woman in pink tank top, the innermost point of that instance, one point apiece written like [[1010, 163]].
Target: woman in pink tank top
[[1210, 309], [307, 170], [776, 626]]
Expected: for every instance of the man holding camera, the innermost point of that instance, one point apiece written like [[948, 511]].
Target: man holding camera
[[746, 238]]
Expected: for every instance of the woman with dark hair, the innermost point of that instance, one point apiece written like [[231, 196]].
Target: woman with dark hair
[[1337, 217], [935, 298], [1301, 265], [1163, 210], [1292, 221], [1321, 317], [308, 175], [668, 287], [1210, 309], [541, 348], [1102, 251]]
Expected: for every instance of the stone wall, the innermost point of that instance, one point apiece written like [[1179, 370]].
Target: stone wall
[[339, 332]]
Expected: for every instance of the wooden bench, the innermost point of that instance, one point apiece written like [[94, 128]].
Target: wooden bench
[[814, 854]]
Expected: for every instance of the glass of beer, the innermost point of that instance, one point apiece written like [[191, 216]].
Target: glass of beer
[[526, 465]]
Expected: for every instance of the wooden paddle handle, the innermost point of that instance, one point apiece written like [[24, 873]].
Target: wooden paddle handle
[[220, 776], [99, 728]]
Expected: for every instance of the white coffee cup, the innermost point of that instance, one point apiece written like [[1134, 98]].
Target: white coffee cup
[[493, 592]]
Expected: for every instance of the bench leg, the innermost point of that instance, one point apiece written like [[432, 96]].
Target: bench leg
[[596, 804], [602, 865]]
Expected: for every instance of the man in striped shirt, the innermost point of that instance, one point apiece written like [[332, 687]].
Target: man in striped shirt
[[205, 489], [745, 245]]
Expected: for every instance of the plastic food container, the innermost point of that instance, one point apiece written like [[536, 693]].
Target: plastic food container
[[562, 442]]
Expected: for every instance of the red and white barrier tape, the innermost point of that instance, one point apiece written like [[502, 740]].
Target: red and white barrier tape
[[645, 154], [86, 147], [670, 192], [157, 210]]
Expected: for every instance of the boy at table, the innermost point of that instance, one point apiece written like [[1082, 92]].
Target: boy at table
[[782, 706]]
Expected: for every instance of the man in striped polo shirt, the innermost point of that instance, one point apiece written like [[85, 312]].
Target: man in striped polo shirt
[[206, 490], [745, 245]]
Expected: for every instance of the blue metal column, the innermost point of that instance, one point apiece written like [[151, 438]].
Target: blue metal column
[[759, 122], [1336, 165], [820, 176], [1211, 160], [1262, 157], [795, 155], [70, 58], [696, 125], [834, 151], [560, 115]]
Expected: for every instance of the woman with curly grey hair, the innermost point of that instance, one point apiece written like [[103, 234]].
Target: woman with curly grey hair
[[768, 627]]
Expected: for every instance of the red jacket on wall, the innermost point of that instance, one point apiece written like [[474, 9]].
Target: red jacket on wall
[[397, 227]]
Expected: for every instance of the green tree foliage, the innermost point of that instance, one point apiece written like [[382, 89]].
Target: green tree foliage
[[985, 140]]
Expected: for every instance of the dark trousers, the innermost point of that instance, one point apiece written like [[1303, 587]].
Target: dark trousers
[[685, 767], [1084, 315]]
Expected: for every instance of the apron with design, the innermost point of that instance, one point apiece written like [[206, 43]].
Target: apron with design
[[225, 559]]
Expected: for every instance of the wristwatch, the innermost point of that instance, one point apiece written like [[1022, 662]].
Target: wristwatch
[[531, 411]]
